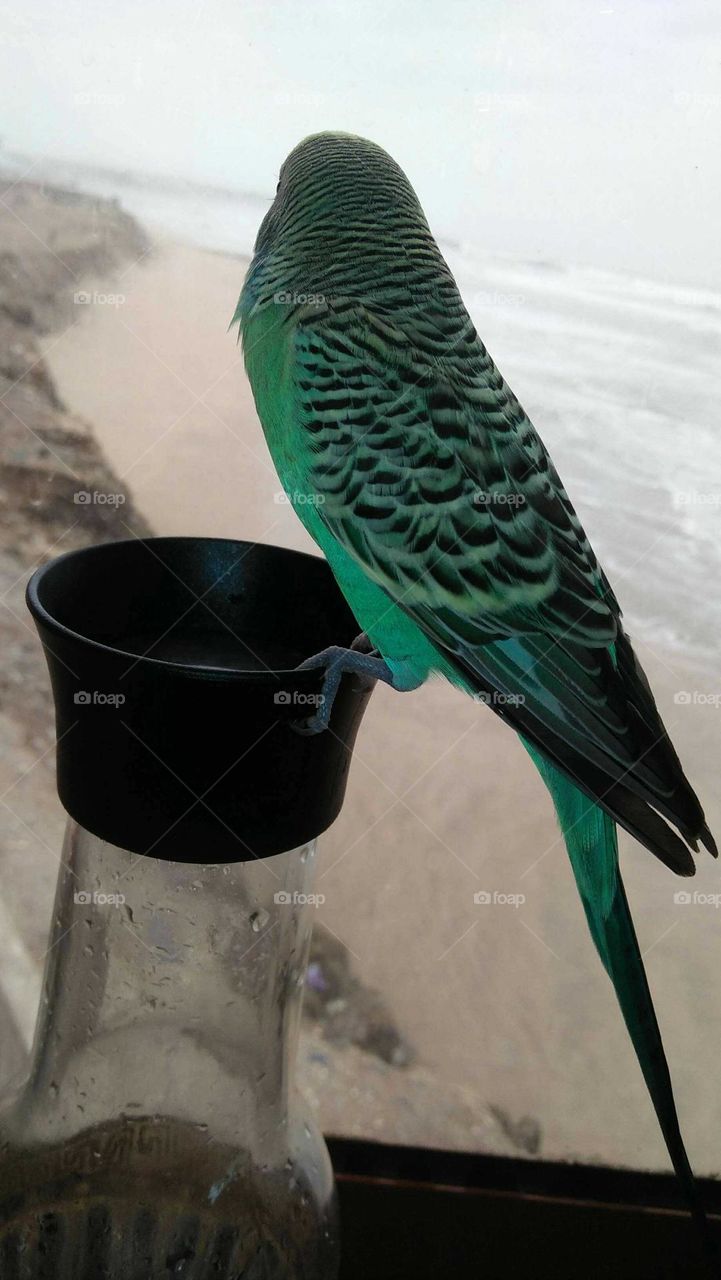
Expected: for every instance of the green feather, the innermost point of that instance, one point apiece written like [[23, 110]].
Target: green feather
[[449, 530], [590, 838]]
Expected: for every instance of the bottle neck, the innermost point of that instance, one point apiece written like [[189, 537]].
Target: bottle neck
[[170, 989]]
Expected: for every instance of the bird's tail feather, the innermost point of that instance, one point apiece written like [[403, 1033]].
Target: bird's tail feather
[[590, 836]]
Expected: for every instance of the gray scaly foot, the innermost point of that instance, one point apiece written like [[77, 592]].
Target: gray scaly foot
[[360, 660]]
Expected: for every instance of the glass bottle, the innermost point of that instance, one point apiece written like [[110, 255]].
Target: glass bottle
[[159, 1132]]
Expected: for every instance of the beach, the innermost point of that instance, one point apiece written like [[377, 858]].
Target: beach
[[506, 996]]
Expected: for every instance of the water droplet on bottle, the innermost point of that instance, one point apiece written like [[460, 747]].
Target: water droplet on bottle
[[259, 920]]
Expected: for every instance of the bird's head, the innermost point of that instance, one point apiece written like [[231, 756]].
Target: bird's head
[[336, 183], [345, 219]]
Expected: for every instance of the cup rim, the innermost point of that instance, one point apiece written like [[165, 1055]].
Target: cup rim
[[44, 617]]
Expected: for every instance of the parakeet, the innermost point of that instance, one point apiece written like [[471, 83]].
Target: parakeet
[[416, 470]]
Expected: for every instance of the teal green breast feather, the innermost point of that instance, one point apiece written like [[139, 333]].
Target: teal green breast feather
[[270, 359]]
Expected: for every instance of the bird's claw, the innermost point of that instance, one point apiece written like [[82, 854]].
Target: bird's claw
[[337, 662]]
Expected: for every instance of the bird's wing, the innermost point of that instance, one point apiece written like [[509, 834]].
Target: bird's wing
[[430, 474]]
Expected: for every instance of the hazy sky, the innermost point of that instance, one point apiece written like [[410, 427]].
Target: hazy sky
[[578, 131]]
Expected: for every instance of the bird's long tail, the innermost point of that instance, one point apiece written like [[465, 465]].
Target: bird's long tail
[[590, 836]]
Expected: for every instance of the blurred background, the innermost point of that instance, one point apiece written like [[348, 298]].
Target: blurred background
[[567, 159]]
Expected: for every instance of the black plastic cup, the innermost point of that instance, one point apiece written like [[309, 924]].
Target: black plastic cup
[[173, 664]]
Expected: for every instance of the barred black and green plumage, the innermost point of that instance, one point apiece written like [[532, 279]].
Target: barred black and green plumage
[[448, 527]]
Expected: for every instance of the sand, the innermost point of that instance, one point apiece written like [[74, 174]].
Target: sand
[[507, 1000], [47, 454]]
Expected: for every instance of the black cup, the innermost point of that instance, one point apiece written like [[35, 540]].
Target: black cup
[[173, 666]]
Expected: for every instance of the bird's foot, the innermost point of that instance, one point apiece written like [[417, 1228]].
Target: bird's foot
[[360, 660]]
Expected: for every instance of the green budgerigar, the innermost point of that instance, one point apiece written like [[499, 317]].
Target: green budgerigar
[[418, 473]]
